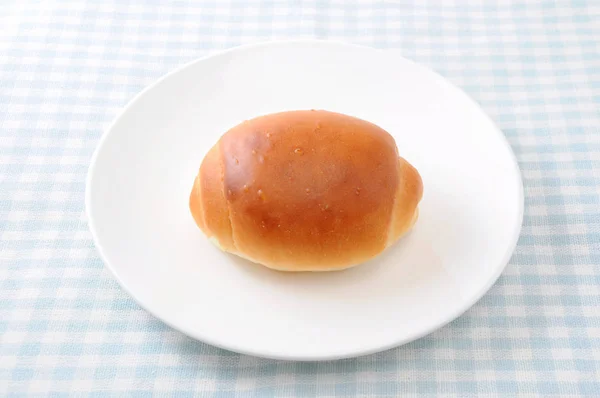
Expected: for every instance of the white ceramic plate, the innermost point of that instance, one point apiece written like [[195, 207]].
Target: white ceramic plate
[[142, 172]]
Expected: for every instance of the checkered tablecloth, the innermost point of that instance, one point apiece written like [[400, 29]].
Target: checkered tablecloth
[[66, 69]]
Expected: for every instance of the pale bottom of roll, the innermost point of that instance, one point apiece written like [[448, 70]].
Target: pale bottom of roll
[[215, 242]]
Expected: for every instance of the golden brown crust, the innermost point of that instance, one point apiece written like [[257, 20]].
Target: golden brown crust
[[210, 206], [305, 190], [410, 192]]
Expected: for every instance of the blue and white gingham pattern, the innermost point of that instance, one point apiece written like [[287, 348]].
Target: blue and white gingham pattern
[[67, 67]]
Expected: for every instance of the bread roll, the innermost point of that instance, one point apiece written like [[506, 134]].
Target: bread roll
[[305, 191]]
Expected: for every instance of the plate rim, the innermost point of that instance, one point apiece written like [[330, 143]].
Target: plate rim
[[451, 316]]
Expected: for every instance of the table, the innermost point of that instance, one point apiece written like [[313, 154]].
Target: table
[[67, 68]]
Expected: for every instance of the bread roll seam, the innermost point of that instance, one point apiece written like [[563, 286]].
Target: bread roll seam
[[227, 201]]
